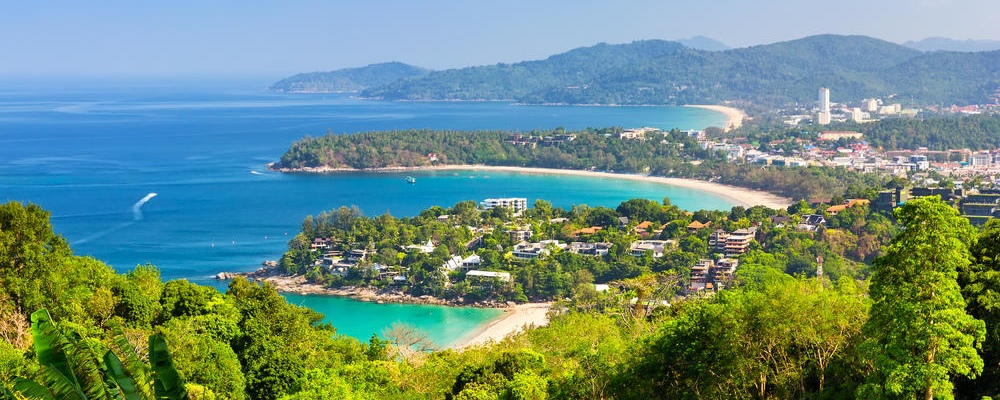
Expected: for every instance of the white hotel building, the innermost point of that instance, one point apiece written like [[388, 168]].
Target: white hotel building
[[517, 204]]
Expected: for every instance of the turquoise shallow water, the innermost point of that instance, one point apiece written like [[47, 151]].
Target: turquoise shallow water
[[443, 325], [94, 153]]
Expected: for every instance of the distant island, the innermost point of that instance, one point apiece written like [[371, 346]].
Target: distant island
[[348, 80], [670, 73]]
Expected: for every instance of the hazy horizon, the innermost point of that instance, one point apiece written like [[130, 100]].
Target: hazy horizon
[[119, 39]]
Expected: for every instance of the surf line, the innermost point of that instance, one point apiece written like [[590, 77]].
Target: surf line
[[136, 216]]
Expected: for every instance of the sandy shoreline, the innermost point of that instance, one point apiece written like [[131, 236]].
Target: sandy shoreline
[[735, 116], [734, 194], [737, 195], [515, 320]]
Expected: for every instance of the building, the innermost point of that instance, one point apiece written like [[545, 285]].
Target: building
[[738, 242], [888, 200], [836, 209], [525, 251], [979, 208], [823, 118], [500, 276], [980, 159], [717, 241], [657, 247], [517, 204], [599, 249], [857, 115], [832, 136], [870, 105], [824, 100]]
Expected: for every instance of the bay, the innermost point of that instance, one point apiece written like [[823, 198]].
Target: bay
[[173, 173]]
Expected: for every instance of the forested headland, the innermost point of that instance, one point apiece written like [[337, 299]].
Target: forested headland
[[920, 320], [670, 154]]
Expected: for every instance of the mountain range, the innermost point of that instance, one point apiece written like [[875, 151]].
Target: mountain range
[[945, 44], [666, 72]]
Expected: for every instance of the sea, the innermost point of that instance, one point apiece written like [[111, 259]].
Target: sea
[[173, 173]]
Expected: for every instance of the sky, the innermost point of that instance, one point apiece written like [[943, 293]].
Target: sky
[[253, 38]]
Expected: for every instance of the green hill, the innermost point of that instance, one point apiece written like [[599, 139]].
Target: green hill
[[348, 80], [516, 81], [660, 72]]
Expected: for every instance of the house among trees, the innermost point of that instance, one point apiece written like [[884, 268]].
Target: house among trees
[[711, 275], [599, 249], [695, 226], [657, 247], [525, 251], [836, 209]]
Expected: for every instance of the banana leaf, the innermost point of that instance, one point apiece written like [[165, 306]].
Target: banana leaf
[[50, 345], [29, 389], [122, 379], [60, 385], [167, 383]]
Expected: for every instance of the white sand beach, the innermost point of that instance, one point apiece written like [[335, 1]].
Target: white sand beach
[[735, 115], [736, 195], [516, 319]]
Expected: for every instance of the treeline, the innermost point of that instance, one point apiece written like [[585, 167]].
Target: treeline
[[672, 154], [976, 132], [923, 325]]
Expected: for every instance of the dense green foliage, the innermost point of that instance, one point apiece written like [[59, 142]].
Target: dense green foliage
[[918, 334], [976, 132], [658, 72], [349, 79], [672, 154], [779, 332]]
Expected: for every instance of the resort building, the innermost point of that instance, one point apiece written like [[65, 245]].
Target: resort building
[[657, 247], [485, 275], [517, 204], [599, 249], [423, 248], [709, 275], [525, 251], [738, 242], [731, 244]]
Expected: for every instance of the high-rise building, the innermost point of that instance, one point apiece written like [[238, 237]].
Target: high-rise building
[[824, 100], [823, 117]]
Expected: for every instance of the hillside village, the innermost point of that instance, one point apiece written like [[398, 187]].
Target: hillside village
[[501, 251]]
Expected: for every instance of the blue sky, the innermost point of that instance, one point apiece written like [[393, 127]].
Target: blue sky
[[273, 39]]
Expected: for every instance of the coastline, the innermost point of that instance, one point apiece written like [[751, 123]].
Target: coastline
[[735, 116], [735, 194], [517, 319]]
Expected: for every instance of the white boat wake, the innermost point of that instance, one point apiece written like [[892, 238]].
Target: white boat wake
[[136, 216]]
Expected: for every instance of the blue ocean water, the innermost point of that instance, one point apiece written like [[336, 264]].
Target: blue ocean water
[[95, 154]]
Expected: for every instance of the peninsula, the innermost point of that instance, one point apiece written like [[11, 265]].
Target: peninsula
[[642, 153]]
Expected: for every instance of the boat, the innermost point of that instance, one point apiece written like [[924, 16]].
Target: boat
[[409, 179]]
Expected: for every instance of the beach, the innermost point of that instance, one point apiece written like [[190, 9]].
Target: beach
[[737, 195], [735, 116], [517, 319]]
